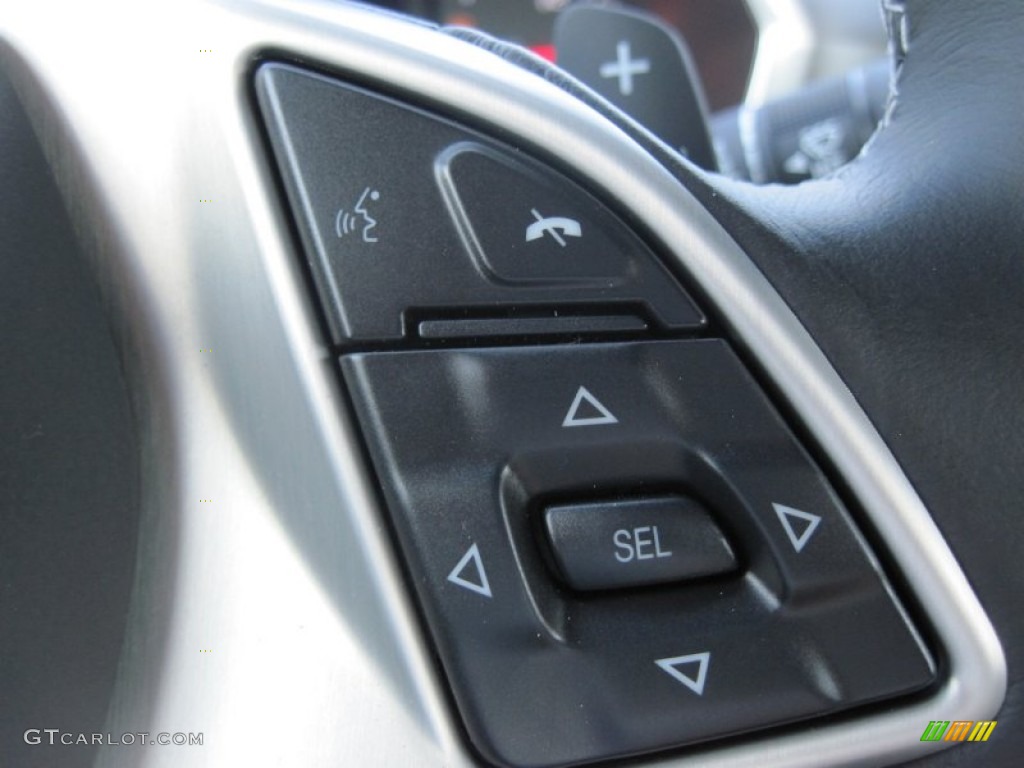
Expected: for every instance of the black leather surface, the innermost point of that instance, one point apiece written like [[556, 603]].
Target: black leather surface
[[907, 266], [68, 470], [908, 269]]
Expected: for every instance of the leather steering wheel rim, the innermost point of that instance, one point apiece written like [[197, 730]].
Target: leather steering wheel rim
[[905, 268]]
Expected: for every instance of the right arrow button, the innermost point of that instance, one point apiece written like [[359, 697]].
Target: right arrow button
[[696, 677]]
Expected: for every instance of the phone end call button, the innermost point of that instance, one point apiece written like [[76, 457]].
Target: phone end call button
[[523, 224]]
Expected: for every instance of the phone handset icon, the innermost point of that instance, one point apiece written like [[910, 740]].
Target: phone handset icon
[[559, 227]]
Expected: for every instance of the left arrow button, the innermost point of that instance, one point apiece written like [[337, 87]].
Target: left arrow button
[[462, 573]]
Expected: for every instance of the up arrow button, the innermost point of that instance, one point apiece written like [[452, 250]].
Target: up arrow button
[[587, 411]]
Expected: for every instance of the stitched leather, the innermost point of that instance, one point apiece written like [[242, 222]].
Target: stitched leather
[[906, 267]]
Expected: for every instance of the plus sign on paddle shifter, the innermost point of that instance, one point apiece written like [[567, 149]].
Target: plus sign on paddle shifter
[[643, 67], [624, 67]]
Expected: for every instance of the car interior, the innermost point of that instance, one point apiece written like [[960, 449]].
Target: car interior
[[515, 383]]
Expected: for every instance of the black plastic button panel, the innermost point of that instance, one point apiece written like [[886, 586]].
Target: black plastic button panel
[[475, 447], [406, 217], [635, 542], [618, 547]]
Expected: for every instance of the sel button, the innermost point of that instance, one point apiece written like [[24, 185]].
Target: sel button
[[607, 545]]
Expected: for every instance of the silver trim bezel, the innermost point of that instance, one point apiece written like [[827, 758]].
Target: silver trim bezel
[[783, 53]]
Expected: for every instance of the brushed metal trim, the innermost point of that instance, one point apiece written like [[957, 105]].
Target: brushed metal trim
[[786, 43], [289, 576]]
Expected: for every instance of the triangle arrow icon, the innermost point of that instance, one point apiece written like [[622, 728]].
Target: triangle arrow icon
[[584, 399], [696, 683], [469, 560], [806, 520]]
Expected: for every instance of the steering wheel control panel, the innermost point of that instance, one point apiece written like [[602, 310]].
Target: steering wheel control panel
[[618, 544]]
